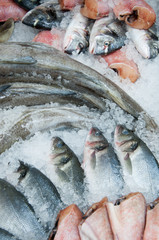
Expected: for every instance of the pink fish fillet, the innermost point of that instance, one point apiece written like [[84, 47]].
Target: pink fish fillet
[[152, 222], [68, 221], [95, 9], [53, 38], [127, 217], [125, 68], [9, 9], [136, 13], [69, 4], [96, 225]]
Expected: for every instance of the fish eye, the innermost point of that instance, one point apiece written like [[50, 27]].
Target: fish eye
[[97, 133], [125, 132], [106, 43], [59, 144]]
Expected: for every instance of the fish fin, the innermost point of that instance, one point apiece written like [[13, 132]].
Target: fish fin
[[62, 175], [128, 163]]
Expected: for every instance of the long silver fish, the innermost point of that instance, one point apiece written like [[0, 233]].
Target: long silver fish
[[67, 165], [76, 37], [146, 42], [4, 235], [28, 4], [6, 30], [137, 161], [41, 194], [17, 216], [107, 35], [101, 165]]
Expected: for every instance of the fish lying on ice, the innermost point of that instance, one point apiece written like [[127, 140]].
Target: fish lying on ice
[[9, 9], [152, 221], [127, 217], [101, 165], [68, 220], [76, 36], [4, 235], [41, 194], [95, 223], [28, 4], [44, 16], [125, 68], [136, 13], [69, 4], [17, 216], [146, 42], [107, 35], [6, 30], [95, 9], [137, 161], [67, 166]]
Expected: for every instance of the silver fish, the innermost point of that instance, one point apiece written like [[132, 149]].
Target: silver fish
[[101, 165], [76, 37], [17, 216], [107, 35], [137, 160], [6, 30], [67, 165], [4, 235]]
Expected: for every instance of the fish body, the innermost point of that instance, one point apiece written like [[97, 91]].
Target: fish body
[[137, 161], [75, 39], [66, 164], [69, 4], [136, 13], [9, 9], [27, 4], [145, 42], [44, 16], [41, 194], [17, 216], [107, 35], [6, 30], [127, 217], [4, 235], [101, 165]]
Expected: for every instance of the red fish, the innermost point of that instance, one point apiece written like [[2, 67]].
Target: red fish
[[68, 221], [69, 5], [9, 9], [125, 68], [95, 9], [136, 13], [152, 221], [96, 223], [53, 38], [127, 217]]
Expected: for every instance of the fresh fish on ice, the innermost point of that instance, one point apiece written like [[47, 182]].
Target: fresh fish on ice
[[107, 35], [6, 30], [17, 216], [69, 4], [137, 161], [28, 4], [76, 36]]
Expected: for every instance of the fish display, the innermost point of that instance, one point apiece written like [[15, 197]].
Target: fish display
[[107, 35], [18, 216], [41, 194], [69, 5], [137, 160], [28, 4], [6, 30], [76, 35], [101, 165]]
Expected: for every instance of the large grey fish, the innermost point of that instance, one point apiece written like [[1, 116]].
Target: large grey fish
[[67, 165], [17, 216], [107, 35], [28, 4], [6, 30], [4, 235], [41, 194], [137, 161], [44, 16], [101, 165]]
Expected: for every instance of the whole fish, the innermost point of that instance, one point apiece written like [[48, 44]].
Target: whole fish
[[127, 217], [146, 42], [4, 235], [44, 16], [68, 220], [6, 30], [137, 160], [76, 36], [17, 216], [107, 35], [101, 165], [28, 4], [136, 13], [67, 165], [41, 194], [95, 223]]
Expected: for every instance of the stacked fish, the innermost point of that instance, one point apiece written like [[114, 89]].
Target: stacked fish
[[106, 22]]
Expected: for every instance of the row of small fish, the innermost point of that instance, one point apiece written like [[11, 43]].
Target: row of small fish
[[127, 218]]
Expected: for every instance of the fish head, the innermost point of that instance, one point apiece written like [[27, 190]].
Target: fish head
[[101, 44], [22, 171], [75, 44]]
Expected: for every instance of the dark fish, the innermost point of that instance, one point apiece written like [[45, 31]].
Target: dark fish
[[17, 216], [41, 194], [4, 235], [44, 16], [28, 4], [6, 30]]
